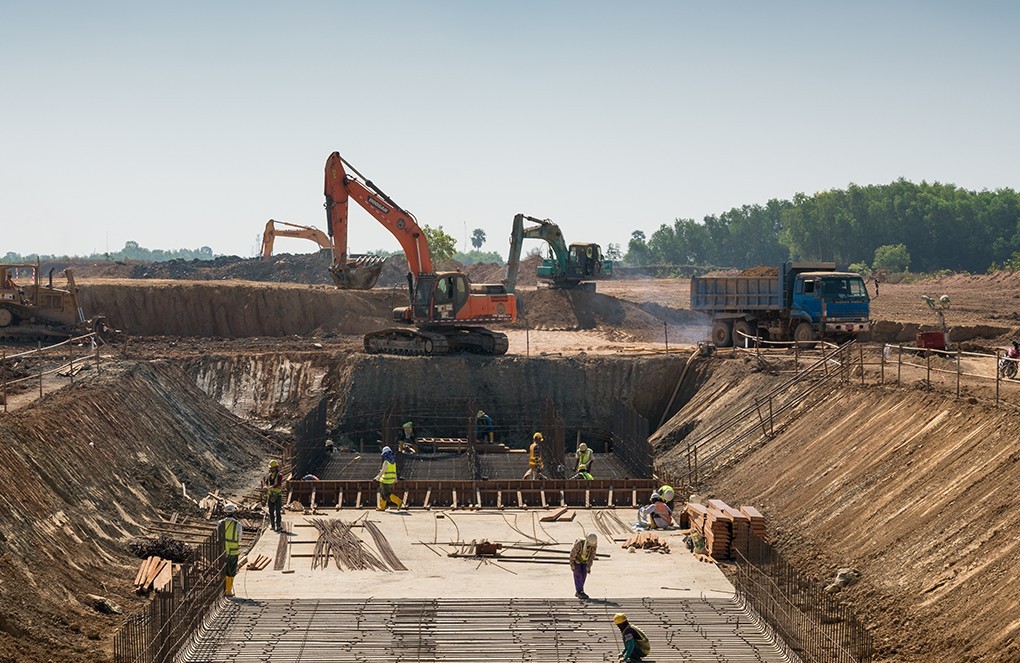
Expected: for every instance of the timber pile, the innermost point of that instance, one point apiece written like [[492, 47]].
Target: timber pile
[[724, 528], [154, 573], [165, 547], [646, 541], [259, 563]]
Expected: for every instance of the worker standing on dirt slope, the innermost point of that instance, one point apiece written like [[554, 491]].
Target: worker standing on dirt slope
[[272, 483], [656, 514], [667, 495], [582, 556], [387, 478], [483, 425], [230, 529], [535, 464], [635, 642], [584, 457]]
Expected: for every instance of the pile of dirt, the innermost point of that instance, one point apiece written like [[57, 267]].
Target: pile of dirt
[[760, 270], [913, 489], [84, 469]]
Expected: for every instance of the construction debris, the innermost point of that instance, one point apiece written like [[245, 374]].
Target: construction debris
[[259, 563], [155, 573], [166, 547], [646, 541], [348, 551], [103, 604]]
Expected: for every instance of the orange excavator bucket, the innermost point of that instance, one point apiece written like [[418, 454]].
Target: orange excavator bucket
[[360, 272]]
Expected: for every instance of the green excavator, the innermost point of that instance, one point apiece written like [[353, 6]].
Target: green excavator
[[573, 266]]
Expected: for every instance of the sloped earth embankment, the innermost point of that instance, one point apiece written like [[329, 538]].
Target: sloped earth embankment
[[83, 468], [915, 490]]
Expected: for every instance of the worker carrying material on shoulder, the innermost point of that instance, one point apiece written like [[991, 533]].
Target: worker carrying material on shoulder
[[656, 514], [272, 483], [535, 463], [635, 642], [584, 457], [483, 426], [230, 529], [582, 556], [387, 479]]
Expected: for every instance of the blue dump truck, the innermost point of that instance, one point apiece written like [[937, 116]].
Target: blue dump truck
[[802, 302]]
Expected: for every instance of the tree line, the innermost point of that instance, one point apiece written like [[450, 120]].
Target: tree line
[[931, 226], [131, 251]]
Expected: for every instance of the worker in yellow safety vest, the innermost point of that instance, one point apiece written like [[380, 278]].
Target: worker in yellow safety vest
[[656, 515], [272, 483], [582, 556], [535, 462], [387, 478], [230, 530], [585, 457]]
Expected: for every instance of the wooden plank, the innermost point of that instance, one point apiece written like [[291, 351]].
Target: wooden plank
[[499, 499], [141, 571], [340, 500], [544, 505], [403, 501], [553, 516], [587, 498], [478, 497], [563, 498], [633, 497], [454, 498], [520, 501], [163, 581], [155, 573], [357, 502], [609, 501], [428, 498]]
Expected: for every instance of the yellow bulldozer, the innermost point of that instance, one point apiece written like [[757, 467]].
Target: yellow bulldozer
[[31, 309]]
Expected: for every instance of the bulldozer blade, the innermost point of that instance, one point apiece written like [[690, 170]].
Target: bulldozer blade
[[358, 273]]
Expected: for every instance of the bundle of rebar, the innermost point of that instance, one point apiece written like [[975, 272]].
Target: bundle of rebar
[[336, 540]]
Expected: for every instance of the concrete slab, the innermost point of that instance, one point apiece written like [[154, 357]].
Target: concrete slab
[[423, 540]]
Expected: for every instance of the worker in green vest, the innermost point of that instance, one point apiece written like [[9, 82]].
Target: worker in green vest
[[635, 642], [230, 529], [585, 457], [387, 477], [272, 483]]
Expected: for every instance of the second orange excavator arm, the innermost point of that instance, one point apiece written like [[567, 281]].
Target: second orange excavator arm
[[340, 186]]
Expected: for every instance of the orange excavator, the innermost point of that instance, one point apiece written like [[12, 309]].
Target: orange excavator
[[444, 307], [303, 232]]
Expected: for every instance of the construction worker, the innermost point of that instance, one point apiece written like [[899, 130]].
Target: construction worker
[[272, 483], [483, 425], [230, 529], [584, 457], [9, 283], [667, 495], [656, 515], [387, 477], [635, 642], [582, 556], [535, 463], [408, 428]]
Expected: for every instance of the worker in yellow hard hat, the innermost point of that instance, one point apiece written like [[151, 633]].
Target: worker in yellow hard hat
[[635, 642], [483, 426], [584, 457], [272, 483], [230, 530], [535, 462]]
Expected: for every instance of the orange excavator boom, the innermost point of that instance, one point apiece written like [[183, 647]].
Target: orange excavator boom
[[293, 230]]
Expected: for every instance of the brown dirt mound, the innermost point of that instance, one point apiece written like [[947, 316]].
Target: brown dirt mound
[[761, 270]]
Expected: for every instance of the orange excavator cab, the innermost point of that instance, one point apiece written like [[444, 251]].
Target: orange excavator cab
[[444, 306]]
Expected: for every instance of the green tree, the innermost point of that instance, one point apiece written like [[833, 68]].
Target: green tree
[[892, 258], [638, 252], [477, 238], [441, 245]]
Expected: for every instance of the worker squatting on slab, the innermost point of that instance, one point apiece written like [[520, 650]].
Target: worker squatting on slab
[[272, 483], [584, 457], [582, 556], [535, 463], [655, 515], [230, 529], [387, 479], [635, 642]]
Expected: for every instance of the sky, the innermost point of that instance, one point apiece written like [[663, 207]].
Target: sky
[[189, 124]]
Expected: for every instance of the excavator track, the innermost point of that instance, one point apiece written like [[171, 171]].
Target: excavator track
[[409, 342], [475, 339]]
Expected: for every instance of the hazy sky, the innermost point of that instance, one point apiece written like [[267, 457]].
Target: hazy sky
[[184, 124]]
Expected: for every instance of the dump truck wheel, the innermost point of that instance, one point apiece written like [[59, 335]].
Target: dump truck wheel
[[805, 336], [6, 317], [743, 327], [721, 335]]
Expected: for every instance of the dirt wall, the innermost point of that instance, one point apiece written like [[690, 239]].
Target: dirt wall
[[83, 469], [916, 491]]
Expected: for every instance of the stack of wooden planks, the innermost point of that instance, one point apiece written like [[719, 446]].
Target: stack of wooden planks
[[725, 529], [155, 573], [564, 514], [259, 563], [646, 541]]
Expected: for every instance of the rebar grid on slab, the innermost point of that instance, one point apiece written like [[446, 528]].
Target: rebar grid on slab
[[469, 631]]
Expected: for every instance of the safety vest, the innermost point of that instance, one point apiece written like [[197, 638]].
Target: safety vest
[[584, 458], [389, 474], [640, 637], [535, 455], [231, 536], [274, 482]]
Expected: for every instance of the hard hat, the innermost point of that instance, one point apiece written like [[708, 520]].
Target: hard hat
[[582, 447], [386, 450], [229, 508], [592, 539], [656, 496], [667, 493], [537, 437], [273, 463], [619, 618], [479, 415]]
